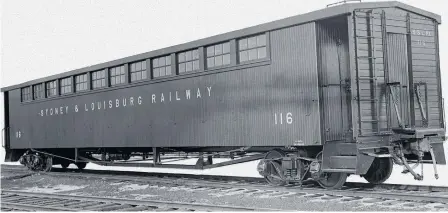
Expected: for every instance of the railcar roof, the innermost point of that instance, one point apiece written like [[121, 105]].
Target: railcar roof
[[282, 23]]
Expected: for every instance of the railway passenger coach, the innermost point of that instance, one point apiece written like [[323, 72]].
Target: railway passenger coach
[[349, 89]]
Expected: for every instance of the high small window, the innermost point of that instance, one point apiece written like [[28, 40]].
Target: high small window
[[138, 71], [38, 91], [81, 82], [51, 88], [65, 85], [26, 94], [252, 48], [117, 75], [161, 66], [98, 79], [218, 55], [188, 61]]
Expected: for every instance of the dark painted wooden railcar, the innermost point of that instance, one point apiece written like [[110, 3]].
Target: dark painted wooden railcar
[[349, 89]]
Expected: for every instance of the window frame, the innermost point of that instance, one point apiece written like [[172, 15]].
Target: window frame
[[267, 46], [47, 89], [192, 60], [86, 82], [122, 73], [206, 57], [29, 94], [173, 72], [130, 71], [41, 92], [69, 85], [104, 77]]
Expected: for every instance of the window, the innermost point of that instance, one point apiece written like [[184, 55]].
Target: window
[[117, 75], [138, 71], [218, 55], [81, 82], [26, 94], [98, 79], [65, 85], [38, 91], [161, 66], [252, 48], [51, 88], [188, 61]]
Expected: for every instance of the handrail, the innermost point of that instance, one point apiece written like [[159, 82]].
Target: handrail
[[443, 113], [3, 141], [342, 2]]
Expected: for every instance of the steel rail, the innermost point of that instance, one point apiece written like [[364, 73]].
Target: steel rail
[[130, 174], [110, 201], [253, 183], [28, 207], [310, 188]]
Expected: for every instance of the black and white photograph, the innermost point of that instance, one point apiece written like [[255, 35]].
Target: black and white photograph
[[223, 106]]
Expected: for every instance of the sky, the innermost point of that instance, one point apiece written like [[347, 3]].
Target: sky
[[42, 38]]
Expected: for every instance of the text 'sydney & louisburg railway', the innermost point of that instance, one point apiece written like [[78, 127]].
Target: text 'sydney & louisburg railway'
[[350, 89]]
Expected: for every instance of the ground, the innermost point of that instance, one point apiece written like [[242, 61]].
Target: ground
[[295, 201], [180, 193]]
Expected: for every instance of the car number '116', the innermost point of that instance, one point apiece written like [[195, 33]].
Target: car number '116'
[[282, 118]]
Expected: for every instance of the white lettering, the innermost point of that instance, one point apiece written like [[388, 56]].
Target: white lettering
[[289, 118], [129, 101], [187, 93], [198, 94], [209, 90], [177, 96]]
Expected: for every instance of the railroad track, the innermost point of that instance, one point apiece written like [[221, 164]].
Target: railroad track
[[424, 195], [31, 201], [135, 176]]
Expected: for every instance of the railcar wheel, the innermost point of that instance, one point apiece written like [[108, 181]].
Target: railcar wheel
[[81, 165], [65, 164], [274, 178], [48, 164], [209, 160], [379, 171], [330, 180]]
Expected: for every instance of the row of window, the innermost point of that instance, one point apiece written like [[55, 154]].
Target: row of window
[[38, 90], [217, 55]]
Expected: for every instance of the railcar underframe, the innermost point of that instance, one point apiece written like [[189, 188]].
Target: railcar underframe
[[361, 82]]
